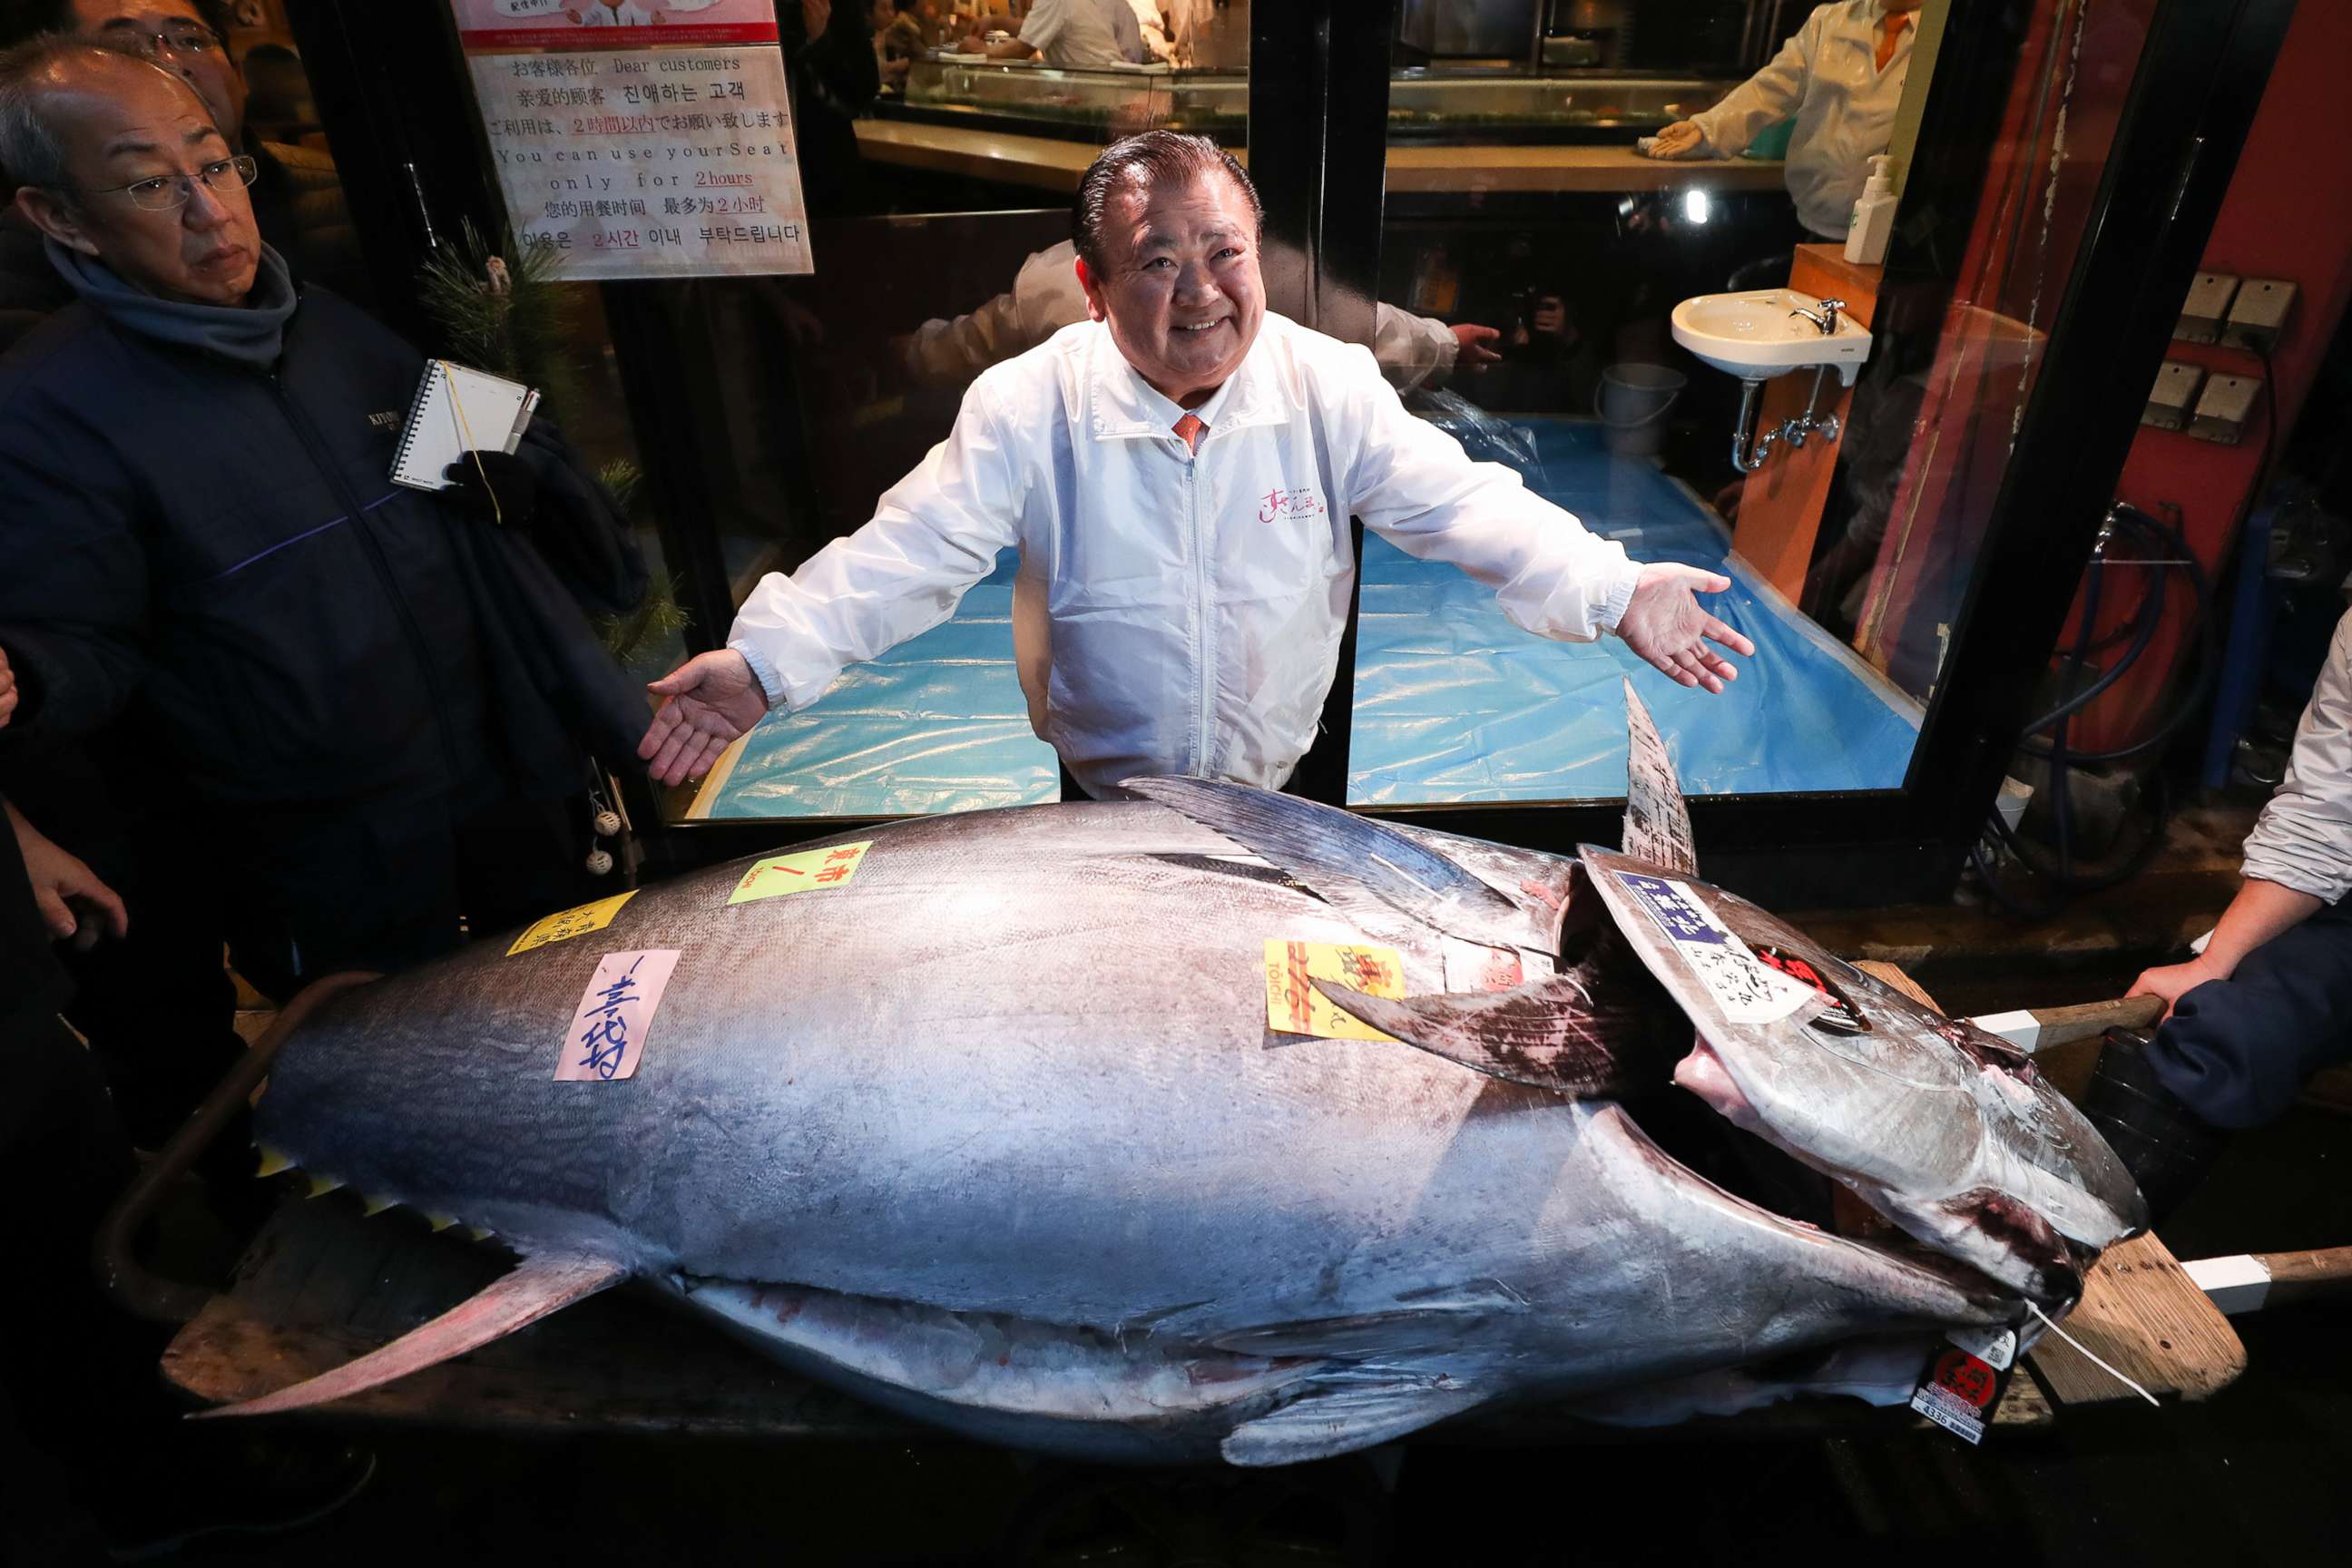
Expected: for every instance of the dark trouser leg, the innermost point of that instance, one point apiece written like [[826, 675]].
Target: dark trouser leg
[[2237, 1051], [158, 1007], [69, 1364]]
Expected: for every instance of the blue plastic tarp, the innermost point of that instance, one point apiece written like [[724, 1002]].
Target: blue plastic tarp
[[1452, 703]]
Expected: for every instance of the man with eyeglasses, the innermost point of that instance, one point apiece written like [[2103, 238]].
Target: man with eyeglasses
[[366, 707], [298, 201]]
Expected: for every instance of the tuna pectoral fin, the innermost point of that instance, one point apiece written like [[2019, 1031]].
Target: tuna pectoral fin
[[1342, 1412], [1547, 1033], [537, 1287], [1344, 858]]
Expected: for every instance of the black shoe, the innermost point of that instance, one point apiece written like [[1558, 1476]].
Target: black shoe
[[2160, 1141], [233, 1486]]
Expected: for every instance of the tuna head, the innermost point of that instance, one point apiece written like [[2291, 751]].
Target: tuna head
[[1945, 1130]]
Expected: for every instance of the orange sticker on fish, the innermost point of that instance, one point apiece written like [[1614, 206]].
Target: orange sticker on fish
[[802, 871], [1293, 1005], [606, 1037]]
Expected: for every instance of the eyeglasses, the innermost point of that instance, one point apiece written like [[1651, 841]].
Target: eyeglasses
[[188, 39], [166, 191]]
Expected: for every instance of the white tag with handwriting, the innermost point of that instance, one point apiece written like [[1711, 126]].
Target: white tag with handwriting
[[606, 1036]]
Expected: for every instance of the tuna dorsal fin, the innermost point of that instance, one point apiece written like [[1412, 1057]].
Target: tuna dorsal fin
[[1338, 854], [1657, 823], [1344, 1411], [536, 1287], [1547, 1033]]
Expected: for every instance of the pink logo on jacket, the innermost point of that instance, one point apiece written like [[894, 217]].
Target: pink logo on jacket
[[1288, 503]]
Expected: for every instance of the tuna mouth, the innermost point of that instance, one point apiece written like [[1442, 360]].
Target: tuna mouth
[[1693, 1130]]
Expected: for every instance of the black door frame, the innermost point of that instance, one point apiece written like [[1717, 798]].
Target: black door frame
[[1318, 145]]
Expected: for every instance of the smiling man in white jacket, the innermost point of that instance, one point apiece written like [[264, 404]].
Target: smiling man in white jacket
[[1177, 473]]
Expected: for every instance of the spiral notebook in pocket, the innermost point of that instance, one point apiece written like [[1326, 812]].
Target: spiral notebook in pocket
[[456, 411]]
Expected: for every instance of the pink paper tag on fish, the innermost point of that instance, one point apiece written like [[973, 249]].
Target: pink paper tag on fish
[[608, 1033]]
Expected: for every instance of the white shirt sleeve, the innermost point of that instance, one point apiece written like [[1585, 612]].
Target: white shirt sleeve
[[1045, 24], [2303, 840], [1415, 486], [1768, 97], [933, 535], [1411, 349], [1127, 31]]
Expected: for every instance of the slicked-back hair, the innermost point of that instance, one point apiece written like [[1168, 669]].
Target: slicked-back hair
[[1139, 164]]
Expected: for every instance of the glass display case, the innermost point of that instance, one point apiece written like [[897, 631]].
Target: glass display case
[[1086, 102], [1440, 104]]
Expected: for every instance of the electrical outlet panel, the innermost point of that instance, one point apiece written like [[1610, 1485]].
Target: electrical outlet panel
[[2258, 314], [2173, 395], [2206, 307], [2222, 411]]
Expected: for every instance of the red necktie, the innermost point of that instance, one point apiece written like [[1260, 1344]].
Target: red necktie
[[1189, 427], [1891, 25]]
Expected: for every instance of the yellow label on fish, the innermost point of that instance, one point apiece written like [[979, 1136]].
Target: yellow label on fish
[[802, 871], [565, 924], [1293, 1005]]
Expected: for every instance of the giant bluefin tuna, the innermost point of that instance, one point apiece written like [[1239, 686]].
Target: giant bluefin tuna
[[997, 1128]]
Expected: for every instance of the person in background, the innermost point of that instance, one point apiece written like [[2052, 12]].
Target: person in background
[[835, 75], [1071, 33], [94, 1458], [899, 40], [1178, 473], [1151, 20], [1047, 296], [373, 702], [1841, 76], [297, 198], [2268, 1002]]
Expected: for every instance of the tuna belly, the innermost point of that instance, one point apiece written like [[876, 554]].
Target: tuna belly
[[1049, 1388]]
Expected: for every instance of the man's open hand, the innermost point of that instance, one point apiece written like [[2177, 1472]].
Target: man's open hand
[[1679, 140], [7, 689], [706, 702], [1665, 623]]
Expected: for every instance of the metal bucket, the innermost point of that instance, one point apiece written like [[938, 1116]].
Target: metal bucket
[[1632, 403]]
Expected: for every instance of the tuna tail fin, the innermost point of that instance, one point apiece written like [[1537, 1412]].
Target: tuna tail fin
[[537, 1287], [1657, 823], [1548, 1033]]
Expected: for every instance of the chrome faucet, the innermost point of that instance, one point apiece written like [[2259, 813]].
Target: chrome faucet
[[1826, 318]]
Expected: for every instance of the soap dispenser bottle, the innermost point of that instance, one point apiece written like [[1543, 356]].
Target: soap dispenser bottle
[[1874, 217]]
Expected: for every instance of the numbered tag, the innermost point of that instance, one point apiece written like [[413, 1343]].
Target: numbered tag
[[1958, 1391], [802, 871], [1293, 1005], [1747, 990], [569, 923], [606, 1037]]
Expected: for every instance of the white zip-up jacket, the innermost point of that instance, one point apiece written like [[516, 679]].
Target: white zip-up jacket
[[1174, 611], [2303, 840], [1826, 75]]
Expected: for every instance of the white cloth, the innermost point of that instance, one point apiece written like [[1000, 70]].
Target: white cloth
[[1827, 75], [1174, 613], [2303, 840], [1084, 33], [1151, 27], [1045, 297]]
